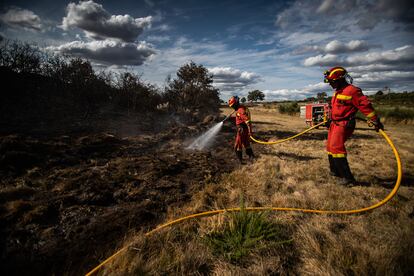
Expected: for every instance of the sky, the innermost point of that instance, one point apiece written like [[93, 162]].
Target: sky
[[279, 47]]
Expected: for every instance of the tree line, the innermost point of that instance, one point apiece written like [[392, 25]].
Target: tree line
[[63, 85]]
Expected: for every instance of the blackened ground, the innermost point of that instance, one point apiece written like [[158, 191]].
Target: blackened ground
[[68, 201]]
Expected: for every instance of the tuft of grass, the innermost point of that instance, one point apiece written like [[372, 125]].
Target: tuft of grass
[[244, 233]]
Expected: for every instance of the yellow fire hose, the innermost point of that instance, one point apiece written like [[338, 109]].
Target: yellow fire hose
[[253, 209], [286, 139]]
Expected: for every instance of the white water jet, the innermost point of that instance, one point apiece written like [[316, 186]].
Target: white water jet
[[206, 139]]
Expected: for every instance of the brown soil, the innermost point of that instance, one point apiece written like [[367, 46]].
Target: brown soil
[[68, 201]]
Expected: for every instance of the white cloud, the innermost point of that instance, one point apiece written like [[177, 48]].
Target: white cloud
[[376, 67], [374, 70], [208, 53], [21, 18], [296, 94], [99, 24], [285, 94], [386, 76], [398, 80], [304, 38], [108, 51], [336, 46], [399, 55], [330, 15], [158, 38], [321, 60], [229, 79], [335, 6]]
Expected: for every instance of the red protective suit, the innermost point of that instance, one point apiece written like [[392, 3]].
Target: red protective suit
[[345, 103], [243, 128]]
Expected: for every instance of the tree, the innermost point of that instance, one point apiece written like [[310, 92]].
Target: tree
[[255, 95], [243, 99], [192, 90], [20, 57], [321, 96]]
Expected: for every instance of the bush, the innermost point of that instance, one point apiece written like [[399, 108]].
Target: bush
[[243, 233], [289, 108], [394, 99], [396, 114]]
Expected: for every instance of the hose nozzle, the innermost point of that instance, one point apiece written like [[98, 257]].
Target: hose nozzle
[[228, 116]]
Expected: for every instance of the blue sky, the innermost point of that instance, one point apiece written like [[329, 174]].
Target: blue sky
[[279, 47]]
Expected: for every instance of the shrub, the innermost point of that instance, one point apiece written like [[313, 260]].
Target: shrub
[[396, 113], [289, 108], [134, 94]]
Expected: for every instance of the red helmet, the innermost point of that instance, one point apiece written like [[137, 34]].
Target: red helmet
[[335, 73], [233, 101]]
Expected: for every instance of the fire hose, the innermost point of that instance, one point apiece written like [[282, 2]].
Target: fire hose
[[286, 209], [286, 139]]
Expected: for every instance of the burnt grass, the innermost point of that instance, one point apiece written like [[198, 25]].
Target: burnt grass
[[68, 200]]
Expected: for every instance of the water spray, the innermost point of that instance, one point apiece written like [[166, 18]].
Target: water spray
[[206, 139]]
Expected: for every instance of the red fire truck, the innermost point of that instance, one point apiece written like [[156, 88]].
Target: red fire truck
[[315, 113]]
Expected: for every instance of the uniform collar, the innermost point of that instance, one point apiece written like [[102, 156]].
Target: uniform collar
[[342, 89]]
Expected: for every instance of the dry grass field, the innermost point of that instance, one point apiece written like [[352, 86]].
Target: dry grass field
[[295, 174]]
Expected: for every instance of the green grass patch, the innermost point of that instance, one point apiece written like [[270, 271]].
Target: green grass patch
[[244, 233]]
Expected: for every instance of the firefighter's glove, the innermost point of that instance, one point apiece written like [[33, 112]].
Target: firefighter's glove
[[328, 123], [378, 125]]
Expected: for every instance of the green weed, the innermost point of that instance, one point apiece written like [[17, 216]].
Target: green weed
[[244, 233]]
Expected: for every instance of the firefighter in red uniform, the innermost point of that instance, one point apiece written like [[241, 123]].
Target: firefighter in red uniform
[[346, 101], [244, 128]]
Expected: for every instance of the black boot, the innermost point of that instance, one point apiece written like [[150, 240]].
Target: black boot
[[239, 155], [332, 167], [250, 153], [344, 171]]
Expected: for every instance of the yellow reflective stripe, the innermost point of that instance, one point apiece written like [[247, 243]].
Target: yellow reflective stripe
[[339, 69], [338, 155], [372, 114], [343, 97]]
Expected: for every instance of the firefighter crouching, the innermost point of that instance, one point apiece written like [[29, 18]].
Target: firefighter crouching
[[244, 129], [346, 101]]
